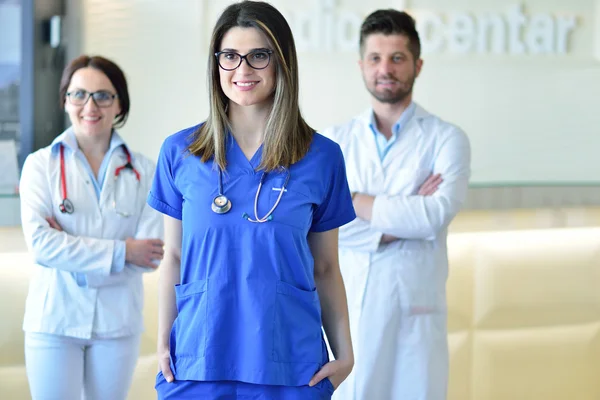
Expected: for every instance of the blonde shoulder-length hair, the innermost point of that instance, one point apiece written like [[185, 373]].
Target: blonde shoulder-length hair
[[287, 136]]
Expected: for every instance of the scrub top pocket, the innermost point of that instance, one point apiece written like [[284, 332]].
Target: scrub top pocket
[[190, 336], [329, 385], [297, 334], [294, 208]]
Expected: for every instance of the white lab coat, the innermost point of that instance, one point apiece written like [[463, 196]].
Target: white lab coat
[[396, 292], [72, 291]]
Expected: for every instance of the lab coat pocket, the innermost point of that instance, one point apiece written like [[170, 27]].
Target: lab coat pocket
[[125, 199], [421, 281], [190, 325], [297, 333]]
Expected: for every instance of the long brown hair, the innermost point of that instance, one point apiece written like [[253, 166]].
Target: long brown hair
[[287, 135]]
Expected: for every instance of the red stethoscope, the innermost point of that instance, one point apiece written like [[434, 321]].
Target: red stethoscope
[[66, 206]]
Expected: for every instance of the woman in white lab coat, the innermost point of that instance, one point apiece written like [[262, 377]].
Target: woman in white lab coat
[[91, 236]]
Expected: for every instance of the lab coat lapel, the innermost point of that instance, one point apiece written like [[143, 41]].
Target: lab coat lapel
[[404, 148], [117, 159], [367, 148]]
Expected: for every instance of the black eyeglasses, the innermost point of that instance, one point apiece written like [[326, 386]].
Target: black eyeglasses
[[257, 59], [102, 98]]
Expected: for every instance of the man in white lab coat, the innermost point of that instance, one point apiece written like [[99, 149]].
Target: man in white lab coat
[[408, 171]]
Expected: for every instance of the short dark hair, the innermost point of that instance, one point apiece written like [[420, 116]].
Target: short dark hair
[[392, 22], [112, 72]]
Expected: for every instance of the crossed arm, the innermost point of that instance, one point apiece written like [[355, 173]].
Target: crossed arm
[[421, 216], [363, 203], [93, 261], [140, 252]]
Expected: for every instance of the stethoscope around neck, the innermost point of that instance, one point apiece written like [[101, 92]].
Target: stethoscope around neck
[[221, 204], [66, 206]]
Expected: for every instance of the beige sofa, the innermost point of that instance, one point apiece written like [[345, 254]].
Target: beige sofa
[[14, 276], [524, 309], [524, 315]]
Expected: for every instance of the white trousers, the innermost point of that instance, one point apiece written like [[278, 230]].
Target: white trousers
[[66, 368]]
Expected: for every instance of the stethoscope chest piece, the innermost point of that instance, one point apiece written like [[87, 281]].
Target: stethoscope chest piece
[[221, 204], [66, 207]]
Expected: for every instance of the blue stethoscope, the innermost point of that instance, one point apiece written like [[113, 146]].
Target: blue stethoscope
[[221, 204]]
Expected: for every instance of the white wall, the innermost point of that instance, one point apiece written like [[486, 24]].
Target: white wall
[[161, 47], [530, 117]]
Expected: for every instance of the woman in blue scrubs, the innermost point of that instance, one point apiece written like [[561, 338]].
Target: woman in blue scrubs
[[252, 200]]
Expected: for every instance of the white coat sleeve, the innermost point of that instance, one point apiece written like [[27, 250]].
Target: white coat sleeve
[[150, 226], [52, 248], [423, 217], [358, 234]]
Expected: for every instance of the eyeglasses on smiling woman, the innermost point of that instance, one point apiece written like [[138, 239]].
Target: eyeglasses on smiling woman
[[102, 98], [257, 59]]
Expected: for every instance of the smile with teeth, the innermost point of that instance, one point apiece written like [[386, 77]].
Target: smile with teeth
[[246, 84], [91, 118]]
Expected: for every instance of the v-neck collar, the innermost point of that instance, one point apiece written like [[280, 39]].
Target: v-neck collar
[[239, 158]]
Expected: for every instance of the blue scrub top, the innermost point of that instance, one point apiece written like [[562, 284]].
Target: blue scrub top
[[248, 309]]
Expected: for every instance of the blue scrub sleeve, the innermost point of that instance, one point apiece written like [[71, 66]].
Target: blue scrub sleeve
[[336, 209], [164, 195]]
